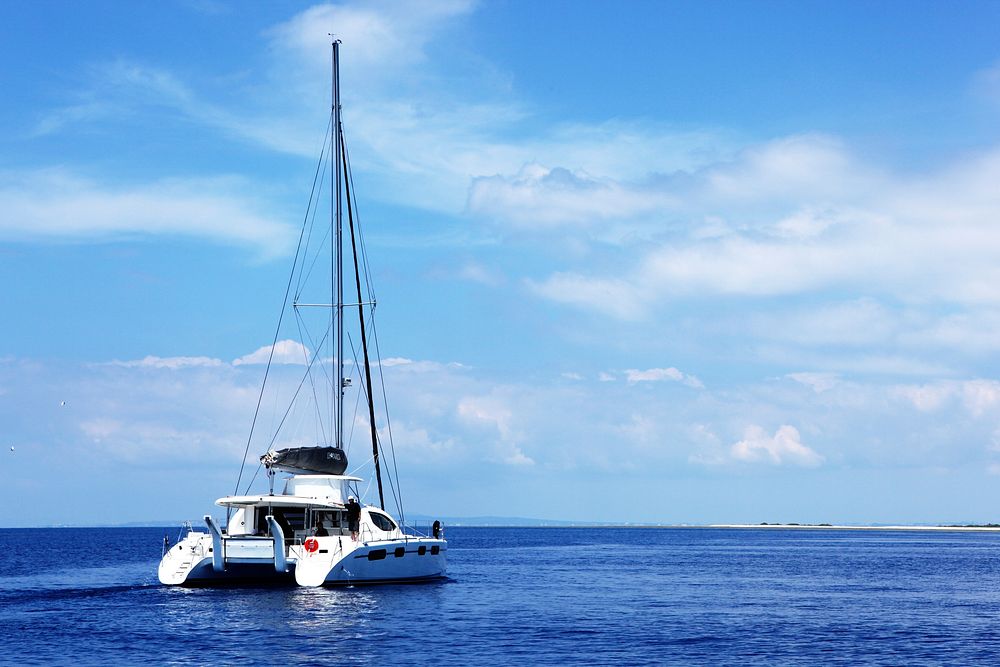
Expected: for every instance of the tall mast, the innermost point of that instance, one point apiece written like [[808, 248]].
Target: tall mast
[[337, 287]]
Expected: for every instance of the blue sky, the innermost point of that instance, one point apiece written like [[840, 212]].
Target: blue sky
[[677, 262]]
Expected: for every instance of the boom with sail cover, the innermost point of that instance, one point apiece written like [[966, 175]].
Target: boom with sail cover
[[316, 460]]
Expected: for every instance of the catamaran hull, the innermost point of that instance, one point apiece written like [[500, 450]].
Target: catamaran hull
[[340, 562], [336, 561]]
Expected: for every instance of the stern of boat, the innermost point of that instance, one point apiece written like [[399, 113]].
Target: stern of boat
[[184, 557]]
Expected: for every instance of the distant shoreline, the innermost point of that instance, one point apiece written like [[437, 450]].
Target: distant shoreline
[[804, 526]]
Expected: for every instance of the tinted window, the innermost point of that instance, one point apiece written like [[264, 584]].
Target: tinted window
[[382, 522]]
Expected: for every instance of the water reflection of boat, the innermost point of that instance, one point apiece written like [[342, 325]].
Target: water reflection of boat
[[314, 532]]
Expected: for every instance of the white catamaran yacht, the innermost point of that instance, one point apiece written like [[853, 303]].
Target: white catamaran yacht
[[314, 532]]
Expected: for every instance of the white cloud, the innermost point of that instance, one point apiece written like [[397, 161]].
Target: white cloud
[[971, 330], [539, 197], [172, 363], [285, 352], [612, 296], [783, 448], [927, 397], [818, 382], [489, 410], [804, 216], [496, 413], [423, 128], [477, 273], [396, 361], [978, 397], [856, 322], [659, 374], [518, 458], [654, 375], [56, 203], [416, 440]]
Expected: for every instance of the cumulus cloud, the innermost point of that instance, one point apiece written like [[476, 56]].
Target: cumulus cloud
[[542, 197], [805, 215], [489, 410], [285, 352], [495, 412], [978, 396], [783, 448]]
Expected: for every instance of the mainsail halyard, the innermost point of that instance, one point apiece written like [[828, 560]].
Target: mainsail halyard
[[364, 341]]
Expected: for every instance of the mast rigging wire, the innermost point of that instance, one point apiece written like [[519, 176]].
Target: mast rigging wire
[[277, 329]]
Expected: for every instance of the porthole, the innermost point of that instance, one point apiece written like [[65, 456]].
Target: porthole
[[399, 552], [376, 554], [422, 550]]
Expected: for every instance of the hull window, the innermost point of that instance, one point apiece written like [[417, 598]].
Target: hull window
[[399, 552], [422, 549], [376, 554]]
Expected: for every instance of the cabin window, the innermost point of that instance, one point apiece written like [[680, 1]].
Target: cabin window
[[422, 549], [289, 518], [435, 550], [382, 522], [400, 551], [376, 554]]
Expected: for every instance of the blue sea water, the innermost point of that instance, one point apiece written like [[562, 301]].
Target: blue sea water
[[536, 596]]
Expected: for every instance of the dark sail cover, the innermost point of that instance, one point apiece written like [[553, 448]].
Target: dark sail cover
[[319, 460]]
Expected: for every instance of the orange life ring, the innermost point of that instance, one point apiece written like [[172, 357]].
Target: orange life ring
[[311, 544]]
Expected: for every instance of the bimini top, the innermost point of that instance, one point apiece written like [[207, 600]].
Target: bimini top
[[301, 490], [277, 501], [320, 460]]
